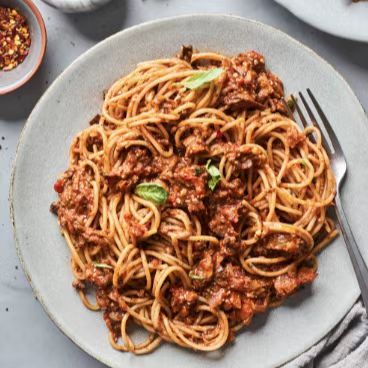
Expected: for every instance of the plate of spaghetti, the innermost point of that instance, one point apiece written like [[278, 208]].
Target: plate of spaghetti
[[195, 212]]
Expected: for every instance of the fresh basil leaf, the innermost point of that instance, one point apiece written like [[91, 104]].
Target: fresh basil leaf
[[193, 276], [152, 192], [214, 172], [199, 79], [103, 265]]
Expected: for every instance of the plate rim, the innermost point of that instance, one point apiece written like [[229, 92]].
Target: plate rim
[[74, 64], [311, 22]]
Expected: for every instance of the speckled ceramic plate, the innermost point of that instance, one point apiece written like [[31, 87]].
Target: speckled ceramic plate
[[342, 18], [75, 97]]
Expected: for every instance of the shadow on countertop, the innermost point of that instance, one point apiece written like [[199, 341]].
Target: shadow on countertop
[[17, 105], [101, 23]]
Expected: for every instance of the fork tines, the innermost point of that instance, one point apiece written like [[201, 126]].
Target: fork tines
[[324, 125]]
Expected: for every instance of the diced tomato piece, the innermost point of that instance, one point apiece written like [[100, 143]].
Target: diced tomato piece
[[219, 134], [59, 186]]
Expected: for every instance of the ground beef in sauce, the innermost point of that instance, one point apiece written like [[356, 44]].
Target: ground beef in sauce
[[186, 53], [287, 284], [109, 301], [239, 293], [195, 143], [75, 205], [216, 273], [101, 277], [137, 165], [188, 187], [79, 284], [182, 300], [248, 85], [225, 220], [230, 190], [280, 245], [294, 138], [95, 120], [237, 279], [203, 271], [135, 229], [76, 198], [242, 158]]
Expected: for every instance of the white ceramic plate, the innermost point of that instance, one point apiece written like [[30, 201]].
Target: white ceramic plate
[[76, 97], [339, 17]]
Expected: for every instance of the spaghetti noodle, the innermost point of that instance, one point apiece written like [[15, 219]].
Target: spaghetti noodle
[[193, 202]]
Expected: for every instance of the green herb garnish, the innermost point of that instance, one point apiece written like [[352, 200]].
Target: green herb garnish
[[152, 192], [214, 172], [199, 79], [103, 265]]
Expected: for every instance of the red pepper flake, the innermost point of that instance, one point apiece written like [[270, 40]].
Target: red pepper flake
[[15, 38], [59, 186], [219, 134]]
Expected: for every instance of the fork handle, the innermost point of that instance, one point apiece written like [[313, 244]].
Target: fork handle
[[360, 267]]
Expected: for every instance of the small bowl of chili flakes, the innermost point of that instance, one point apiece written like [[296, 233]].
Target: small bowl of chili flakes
[[22, 43]]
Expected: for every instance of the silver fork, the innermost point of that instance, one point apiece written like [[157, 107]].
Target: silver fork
[[339, 167]]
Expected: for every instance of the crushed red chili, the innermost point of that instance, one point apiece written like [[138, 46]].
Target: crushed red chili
[[15, 38]]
